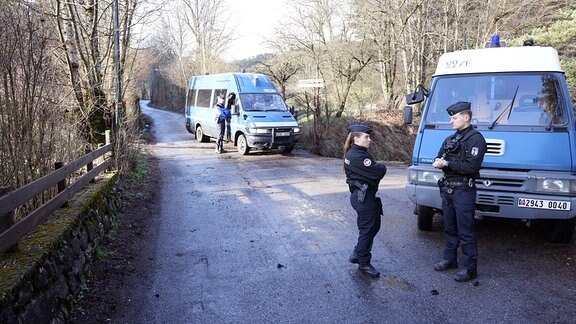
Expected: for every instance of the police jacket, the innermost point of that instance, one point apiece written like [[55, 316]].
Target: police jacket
[[464, 151], [360, 166], [221, 114]]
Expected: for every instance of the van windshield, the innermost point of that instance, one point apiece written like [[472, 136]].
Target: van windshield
[[503, 99], [262, 102]]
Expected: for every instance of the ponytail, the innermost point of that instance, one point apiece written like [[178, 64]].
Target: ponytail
[[349, 142]]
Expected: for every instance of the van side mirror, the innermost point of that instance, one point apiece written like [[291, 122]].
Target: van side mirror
[[294, 112], [415, 97], [408, 115]]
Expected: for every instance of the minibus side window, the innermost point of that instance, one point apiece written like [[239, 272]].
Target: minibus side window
[[219, 92], [203, 99], [192, 97]]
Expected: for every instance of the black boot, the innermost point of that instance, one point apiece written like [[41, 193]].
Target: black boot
[[445, 265], [465, 275], [369, 270], [353, 258]]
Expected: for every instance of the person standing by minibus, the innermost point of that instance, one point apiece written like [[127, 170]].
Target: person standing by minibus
[[460, 158], [221, 117], [363, 176]]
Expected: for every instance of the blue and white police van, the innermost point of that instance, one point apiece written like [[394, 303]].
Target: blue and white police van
[[260, 117], [521, 105]]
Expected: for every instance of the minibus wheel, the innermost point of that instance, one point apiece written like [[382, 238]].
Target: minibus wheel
[[425, 217], [558, 230], [288, 149], [242, 146], [200, 137]]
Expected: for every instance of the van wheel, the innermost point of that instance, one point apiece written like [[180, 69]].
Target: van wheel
[[558, 230], [288, 149], [425, 217], [242, 146], [200, 137]]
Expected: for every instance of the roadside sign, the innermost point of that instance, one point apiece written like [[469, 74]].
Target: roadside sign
[[311, 83]]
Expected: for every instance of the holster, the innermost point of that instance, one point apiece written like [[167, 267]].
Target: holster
[[441, 184], [362, 188]]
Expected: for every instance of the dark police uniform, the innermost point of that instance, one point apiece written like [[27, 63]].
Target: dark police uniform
[[363, 176], [222, 118], [464, 151]]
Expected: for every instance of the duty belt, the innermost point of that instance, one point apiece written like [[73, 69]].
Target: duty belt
[[455, 183], [469, 182]]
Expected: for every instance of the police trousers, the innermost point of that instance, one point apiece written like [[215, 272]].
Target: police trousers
[[458, 206], [220, 128], [368, 222]]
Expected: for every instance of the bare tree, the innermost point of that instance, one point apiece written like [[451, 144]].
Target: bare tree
[[35, 128], [206, 21], [410, 35], [281, 68], [336, 52]]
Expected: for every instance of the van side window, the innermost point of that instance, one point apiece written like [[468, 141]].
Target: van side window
[[203, 99], [219, 92], [192, 98]]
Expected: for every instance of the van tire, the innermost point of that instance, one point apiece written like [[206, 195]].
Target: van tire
[[242, 146], [287, 149], [425, 217], [200, 137], [558, 230]]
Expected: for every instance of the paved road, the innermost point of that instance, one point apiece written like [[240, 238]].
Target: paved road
[[266, 237]]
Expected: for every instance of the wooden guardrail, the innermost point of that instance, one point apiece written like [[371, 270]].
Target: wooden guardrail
[[12, 232]]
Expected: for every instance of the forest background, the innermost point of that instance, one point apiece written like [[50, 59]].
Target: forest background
[[61, 90]]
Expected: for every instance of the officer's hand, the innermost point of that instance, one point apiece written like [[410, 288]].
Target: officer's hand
[[439, 163]]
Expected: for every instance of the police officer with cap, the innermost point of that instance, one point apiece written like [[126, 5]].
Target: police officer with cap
[[363, 176], [221, 117], [460, 158]]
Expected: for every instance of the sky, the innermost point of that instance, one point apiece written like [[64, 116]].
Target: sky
[[255, 21]]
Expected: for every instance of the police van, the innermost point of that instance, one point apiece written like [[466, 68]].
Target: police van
[[521, 105], [260, 117]]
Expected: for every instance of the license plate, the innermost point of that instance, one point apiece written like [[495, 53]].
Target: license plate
[[283, 134], [543, 204]]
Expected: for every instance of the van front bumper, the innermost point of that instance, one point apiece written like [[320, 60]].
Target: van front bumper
[[268, 141], [496, 204]]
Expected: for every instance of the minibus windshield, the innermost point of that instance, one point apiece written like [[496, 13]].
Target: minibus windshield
[[504, 99], [262, 102]]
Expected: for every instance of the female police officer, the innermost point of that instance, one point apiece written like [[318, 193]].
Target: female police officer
[[460, 158], [363, 176]]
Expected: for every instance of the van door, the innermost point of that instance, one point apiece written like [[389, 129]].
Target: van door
[[202, 112], [213, 124]]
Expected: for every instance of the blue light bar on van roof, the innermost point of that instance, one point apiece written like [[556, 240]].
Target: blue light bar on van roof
[[495, 40]]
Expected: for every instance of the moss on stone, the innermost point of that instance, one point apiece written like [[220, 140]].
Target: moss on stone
[[58, 231]]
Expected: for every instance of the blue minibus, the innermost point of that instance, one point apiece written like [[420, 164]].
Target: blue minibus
[[260, 117]]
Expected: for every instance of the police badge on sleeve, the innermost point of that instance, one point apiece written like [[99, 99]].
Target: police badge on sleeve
[[474, 151], [368, 162]]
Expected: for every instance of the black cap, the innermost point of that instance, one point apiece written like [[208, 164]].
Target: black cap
[[359, 127], [458, 107]]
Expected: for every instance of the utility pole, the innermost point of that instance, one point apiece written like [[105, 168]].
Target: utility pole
[[117, 66]]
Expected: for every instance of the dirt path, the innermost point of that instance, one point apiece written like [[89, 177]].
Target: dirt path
[[128, 255]]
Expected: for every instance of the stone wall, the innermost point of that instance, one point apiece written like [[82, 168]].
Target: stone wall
[[39, 281]]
